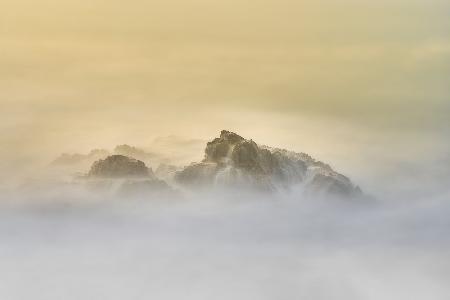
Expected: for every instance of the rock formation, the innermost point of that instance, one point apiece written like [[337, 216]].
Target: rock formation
[[232, 161], [127, 177], [119, 166]]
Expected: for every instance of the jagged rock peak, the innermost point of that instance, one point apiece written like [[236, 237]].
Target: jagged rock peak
[[116, 166], [221, 149], [231, 160], [230, 136]]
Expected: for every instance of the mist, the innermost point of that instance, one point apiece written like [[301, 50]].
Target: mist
[[360, 85], [71, 242], [65, 240]]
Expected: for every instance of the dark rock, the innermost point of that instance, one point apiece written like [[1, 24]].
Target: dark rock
[[322, 183], [232, 161], [117, 166], [198, 174]]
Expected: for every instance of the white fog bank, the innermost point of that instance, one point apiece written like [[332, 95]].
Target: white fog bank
[[226, 247]]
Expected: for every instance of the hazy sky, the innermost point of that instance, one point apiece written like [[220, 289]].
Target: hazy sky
[[353, 82]]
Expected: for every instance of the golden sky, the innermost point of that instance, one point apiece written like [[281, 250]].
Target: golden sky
[[320, 76]]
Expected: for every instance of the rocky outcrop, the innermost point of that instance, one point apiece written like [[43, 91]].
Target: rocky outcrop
[[127, 177], [119, 166], [233, 161], [230, 161]]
